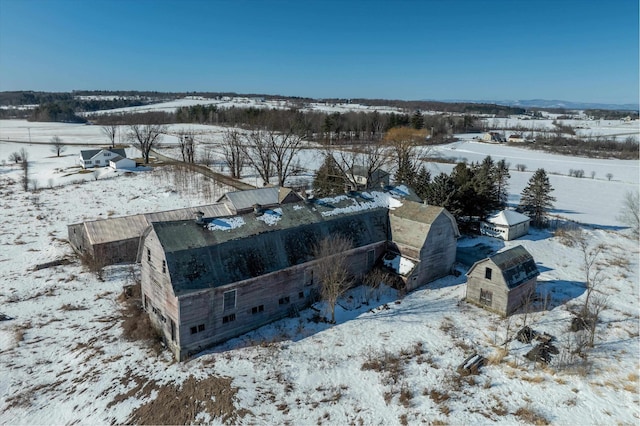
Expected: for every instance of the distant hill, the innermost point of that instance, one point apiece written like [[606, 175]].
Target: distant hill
[[544, 103]]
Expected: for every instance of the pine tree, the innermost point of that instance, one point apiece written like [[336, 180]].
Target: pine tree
[[422, 183], [417, 120], [328, 180], [501, 175], [536, 198], [441, 191]]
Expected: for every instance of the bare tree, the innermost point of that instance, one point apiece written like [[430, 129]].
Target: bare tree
[[630, 213], [258, 152], [598, 304], [145, 136], [609, 176], [590, 266], [110, 131], [331, 269], [234, 155], [24, 162], [371, 156], [186, 140], [57, 146], [407, 146], [15, 157]]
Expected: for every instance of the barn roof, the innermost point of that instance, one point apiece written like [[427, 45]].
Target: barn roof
[[516, 264], [127, 227], [507, 218], [225, 250], [243, 200]]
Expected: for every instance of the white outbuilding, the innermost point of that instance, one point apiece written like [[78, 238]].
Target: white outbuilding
[[122, 163], [507, 224]]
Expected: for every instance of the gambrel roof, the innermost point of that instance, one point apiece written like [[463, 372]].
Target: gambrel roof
[[516, 265], [201, 256]]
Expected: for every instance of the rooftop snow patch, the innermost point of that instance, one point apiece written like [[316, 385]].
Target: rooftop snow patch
[[365, 201], [271, 217], [400, 265], [225, 223]]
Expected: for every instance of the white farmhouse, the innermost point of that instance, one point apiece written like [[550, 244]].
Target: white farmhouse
[[507, 224], [100, 157]]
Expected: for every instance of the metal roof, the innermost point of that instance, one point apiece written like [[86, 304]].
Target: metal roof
[[507, 218], [243, 200]]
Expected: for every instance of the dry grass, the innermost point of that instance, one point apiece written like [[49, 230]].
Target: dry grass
[[406, 395], [529, 415], [70, 307], [497, 357], [536, 379], [136, 324]]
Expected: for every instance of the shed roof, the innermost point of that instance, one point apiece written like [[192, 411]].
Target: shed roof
[[123, 228], [507, 218], [243, 200]]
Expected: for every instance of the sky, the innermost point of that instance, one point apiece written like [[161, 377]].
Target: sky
[[571, 50]]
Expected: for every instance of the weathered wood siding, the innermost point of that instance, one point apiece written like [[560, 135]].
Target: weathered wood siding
[[438, 253], [519, 295], [259, 301], [78, 239], [157, 293], [476, 282]]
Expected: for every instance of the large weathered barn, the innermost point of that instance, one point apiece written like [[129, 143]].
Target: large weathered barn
[[503, 282], [207, 280]]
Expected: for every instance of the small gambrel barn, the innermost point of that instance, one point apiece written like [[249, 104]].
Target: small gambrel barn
[[503, 282]]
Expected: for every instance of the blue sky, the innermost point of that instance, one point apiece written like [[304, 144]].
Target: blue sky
[[574, 50]]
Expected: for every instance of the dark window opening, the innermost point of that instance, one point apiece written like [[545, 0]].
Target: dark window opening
[[164, 266], [283, 300], [173, 330], [228, 318], [229, 300], [200, 328], [194, 330], [257, 309], [301, 295], [149, 255], [487, 273]]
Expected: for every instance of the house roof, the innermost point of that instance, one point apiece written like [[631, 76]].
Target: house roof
[[507, 218], [516, 265], [226, 250], [88, 154], [362, 171]]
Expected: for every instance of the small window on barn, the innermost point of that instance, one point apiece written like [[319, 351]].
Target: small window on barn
[[229, 318], [308, 276], [149, 255], [194, 330], [229, 300], [200, 328], [164, 266], [486, 297], [487, 273], [257, 309], [370, 257], [173, 330], [283, 300], [301, 295]]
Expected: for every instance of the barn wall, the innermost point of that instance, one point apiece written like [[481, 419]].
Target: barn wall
[[518, 230], [78, 239], [518, 296], [259, 301], [113, 252], [476, 281], [157, 293], [438, 254]]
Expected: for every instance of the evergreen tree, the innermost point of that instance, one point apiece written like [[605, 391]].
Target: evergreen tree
[[422, 183], [501, 175], [417, 120], [536, 198], [441, 191], [328, 180], [485, 189]]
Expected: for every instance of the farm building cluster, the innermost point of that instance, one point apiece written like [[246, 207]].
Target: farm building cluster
[[210, 273]]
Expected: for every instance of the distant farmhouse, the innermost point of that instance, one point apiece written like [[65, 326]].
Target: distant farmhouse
[[503, 282], [516, 138], [90, 158], [493, 137], [507, 224], [210, 279]]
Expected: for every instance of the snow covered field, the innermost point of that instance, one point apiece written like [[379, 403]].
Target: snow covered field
[[63, 359]]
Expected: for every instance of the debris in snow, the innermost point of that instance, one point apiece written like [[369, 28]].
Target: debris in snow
[[542, 352], [471, 365], [225, 223], [271, 217], [526, 334]]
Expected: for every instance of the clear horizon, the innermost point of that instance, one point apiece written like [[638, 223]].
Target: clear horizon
[[473, 50]]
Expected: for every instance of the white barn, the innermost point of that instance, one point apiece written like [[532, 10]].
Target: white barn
[[119, 162], [507, 224]]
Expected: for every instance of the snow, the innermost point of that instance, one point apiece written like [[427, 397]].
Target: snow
[[401, 265], [369, 200], [225, 223], [271, 217], [61, 364]]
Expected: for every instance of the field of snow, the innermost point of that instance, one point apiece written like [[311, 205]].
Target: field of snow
[[390, 359]]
